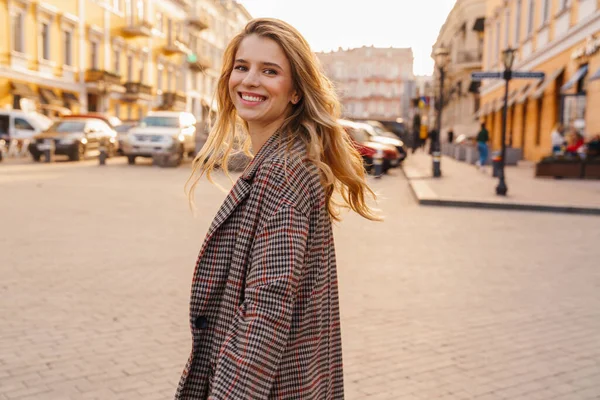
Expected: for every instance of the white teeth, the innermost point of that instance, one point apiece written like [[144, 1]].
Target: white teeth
[[252, 98]]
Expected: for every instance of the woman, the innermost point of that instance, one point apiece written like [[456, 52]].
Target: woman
[[558, 139], [264, 307]]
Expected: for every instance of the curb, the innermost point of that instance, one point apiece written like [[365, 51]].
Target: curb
[[427, 197]]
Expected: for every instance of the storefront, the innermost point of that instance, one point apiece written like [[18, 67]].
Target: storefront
[[579, 90]]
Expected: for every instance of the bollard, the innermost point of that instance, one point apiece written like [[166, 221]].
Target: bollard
[[378, 163], [103, 155]]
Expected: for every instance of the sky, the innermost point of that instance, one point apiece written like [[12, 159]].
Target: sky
[[329, 24]]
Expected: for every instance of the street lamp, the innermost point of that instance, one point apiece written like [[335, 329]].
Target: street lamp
[[508, 57], [441, 60]]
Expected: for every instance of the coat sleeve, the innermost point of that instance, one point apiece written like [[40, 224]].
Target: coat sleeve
[[249, 358]]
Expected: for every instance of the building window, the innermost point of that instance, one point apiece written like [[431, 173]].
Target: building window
[[538, 127], [94, 55], [18, 24], [530, 17], [497, 49], [129, 67], [143, 62], [128, 10], [545, 11], [45, 41], [506, 27], [518, 23], [159, 78], [169, 30], [140, 10], [117, 59], [159, 22], [68, 48]]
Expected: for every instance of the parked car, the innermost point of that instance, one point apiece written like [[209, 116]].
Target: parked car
[[168, 133], [368, 149], [21, 125], [122, 132], [390, 139], [76, 136]]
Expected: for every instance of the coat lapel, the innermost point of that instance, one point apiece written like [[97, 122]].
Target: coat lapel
[[242, 187]]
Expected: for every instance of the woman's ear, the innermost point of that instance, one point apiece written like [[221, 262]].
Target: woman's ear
[[296, 97]]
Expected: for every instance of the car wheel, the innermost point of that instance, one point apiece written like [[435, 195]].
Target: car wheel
[[36, 156], [130, 160], [78, 153]]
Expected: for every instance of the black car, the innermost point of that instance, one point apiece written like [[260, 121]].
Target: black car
[[76, 137]]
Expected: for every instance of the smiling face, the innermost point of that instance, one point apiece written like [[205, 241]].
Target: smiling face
[[260, 84]]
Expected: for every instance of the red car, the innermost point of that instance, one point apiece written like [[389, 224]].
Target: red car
[[368, 149]]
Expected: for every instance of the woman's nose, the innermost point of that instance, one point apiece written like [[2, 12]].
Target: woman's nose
[[251, 78]]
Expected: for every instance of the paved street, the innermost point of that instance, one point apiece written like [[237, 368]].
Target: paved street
[[437, 303]]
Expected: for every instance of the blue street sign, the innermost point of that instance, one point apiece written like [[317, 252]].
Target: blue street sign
[[528, 75], [477, 76]]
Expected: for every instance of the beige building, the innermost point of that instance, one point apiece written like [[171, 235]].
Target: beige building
[[560, 38], [119, 57], [462, 35], [372, 82]]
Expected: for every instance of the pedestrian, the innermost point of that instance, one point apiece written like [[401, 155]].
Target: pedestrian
[[450, 136], [416, 132], [558, 138], [482, 138], [264, 310]]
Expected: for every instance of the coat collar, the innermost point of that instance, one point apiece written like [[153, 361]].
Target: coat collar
[[265, 151], [242, 187]]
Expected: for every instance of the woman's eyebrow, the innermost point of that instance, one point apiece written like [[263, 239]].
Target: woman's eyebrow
[[265, 63]]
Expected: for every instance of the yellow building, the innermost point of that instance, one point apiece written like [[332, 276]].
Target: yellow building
[[39, 55], [560, 38], [119, 57]]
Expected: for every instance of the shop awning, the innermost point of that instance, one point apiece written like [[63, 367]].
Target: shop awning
[[47, 96], [575, 78], [480, 113], [23, 90], [596, 76], [512, 97], [539, 92], [70, 99], [499, 105], [526, 93]]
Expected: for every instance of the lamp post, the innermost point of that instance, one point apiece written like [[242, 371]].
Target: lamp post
[[441, 60], [508, 57]]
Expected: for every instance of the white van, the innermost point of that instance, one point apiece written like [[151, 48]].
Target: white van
[[22, 125], [162, 132]]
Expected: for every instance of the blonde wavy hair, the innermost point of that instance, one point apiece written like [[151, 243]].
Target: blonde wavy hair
[[313, 120]]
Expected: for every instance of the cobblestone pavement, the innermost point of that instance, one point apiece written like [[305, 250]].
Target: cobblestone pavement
[[437, 303]]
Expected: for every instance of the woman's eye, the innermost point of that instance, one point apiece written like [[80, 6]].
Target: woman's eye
[[270, 72], [240, 68]]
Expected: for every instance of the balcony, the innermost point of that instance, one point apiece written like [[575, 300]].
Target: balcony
[[138, 29], [106, 77], [173, 101], [137, 91], [183, 3], [197, 62], [176, 47], [200, 22], [468, 57]]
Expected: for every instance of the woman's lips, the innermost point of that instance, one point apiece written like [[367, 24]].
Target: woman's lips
[[251, 98]]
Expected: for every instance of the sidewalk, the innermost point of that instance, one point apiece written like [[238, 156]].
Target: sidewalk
[[463, 185]]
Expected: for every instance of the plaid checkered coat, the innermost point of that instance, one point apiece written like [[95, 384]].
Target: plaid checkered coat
[[264, 306]]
